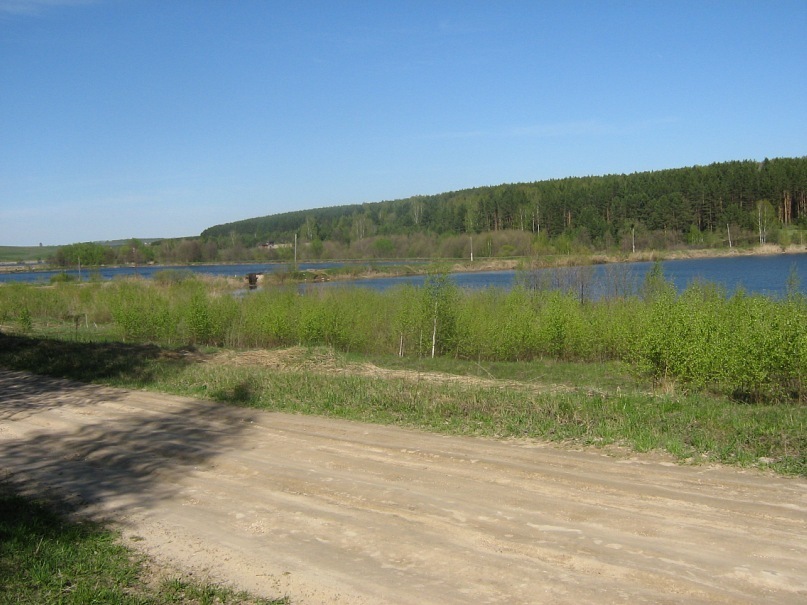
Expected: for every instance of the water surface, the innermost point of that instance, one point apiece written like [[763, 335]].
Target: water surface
[[755, 274]]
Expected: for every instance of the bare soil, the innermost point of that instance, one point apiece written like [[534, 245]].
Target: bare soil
[[328, 511]]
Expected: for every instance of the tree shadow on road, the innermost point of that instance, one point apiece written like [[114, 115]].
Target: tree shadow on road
[[23, 395], [125, 456], [95, 444]]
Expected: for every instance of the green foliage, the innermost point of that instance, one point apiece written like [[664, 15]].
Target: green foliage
[[26, 322], [587, 403], [199, 319], [45, 559], [140, 313], [562, 328], [752, 348], [172, 276], [269, 318], [747, 202], [62, 278], [85, 254], [438, 312]]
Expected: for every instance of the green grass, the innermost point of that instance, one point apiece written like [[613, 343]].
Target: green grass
[[750, 348], [604, 407], [25, 253], [693, 428], [48, 558], [609, 375]]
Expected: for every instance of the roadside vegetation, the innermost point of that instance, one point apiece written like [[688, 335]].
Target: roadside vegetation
[[749, 348], [698, 374], [49, 557]]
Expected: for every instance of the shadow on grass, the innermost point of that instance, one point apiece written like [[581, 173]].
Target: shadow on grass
[[84, 361]]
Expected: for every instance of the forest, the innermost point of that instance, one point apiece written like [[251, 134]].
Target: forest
[[683, 205], [738, 203]]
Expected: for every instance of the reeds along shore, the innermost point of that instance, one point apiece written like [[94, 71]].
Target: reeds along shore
[[749, 347]]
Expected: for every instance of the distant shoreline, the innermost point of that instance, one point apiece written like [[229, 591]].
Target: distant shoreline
[[558, 260], [481, 264]]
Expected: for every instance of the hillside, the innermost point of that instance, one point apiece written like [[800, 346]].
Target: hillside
[[21, 254], [599, 210]]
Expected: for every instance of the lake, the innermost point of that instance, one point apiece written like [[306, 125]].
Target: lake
[[234, 270], [757, 274]]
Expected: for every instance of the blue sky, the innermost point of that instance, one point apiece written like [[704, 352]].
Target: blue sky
[[142, 118]]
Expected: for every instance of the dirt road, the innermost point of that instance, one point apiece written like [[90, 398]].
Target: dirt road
[[328, 511]]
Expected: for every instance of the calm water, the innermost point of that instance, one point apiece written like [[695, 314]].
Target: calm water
[[234, 270], [755, 274], [758, 274]]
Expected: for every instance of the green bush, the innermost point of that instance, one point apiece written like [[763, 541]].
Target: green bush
[[751, 347]]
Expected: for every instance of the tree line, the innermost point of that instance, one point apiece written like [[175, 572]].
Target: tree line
[[601, 210], [722, 204]]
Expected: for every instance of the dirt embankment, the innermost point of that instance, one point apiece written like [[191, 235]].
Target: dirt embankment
[[329, 511]]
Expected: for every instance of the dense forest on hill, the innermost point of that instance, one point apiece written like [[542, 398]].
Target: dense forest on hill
[[682, 204], [737, 203]]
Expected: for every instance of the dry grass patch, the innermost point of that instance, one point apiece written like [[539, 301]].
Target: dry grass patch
[[327, 361]]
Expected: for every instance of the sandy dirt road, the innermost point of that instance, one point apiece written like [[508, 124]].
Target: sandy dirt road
[[328, 511]]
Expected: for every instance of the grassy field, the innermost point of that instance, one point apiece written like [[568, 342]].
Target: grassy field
[[25, 253], [48, 557]]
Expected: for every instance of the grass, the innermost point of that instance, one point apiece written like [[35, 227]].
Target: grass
[[572, 402], [605, 375], [25, 253], [693, 428], [46, 557], [748, 347]]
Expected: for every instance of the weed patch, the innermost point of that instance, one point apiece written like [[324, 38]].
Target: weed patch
[[47, 558]]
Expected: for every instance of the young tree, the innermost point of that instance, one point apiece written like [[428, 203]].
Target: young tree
[[765, 218]]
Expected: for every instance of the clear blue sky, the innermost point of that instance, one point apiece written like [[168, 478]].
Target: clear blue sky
[[159, 118]]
